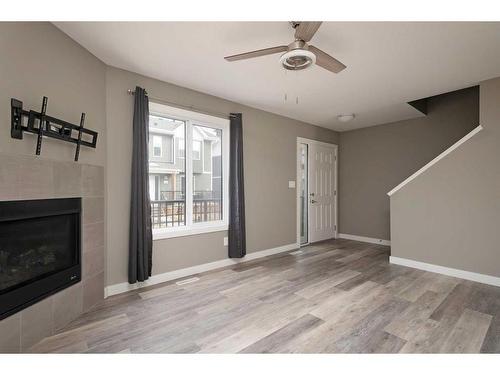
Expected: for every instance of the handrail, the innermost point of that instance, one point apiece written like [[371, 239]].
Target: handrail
[[437, 158]]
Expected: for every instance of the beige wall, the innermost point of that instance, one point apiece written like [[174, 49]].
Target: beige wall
[[450, 214], [37, 60], [269, 160], [374, 160]]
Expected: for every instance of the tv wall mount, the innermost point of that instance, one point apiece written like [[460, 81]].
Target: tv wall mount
[[42, 125]]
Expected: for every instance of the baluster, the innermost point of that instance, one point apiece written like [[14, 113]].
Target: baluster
[[158, 213]]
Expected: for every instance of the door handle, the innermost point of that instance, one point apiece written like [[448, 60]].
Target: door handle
[[313, 201]]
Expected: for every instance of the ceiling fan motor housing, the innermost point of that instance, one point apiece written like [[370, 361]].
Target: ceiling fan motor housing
[[298, 56]]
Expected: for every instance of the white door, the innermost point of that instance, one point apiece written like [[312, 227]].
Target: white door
[[322, 194]]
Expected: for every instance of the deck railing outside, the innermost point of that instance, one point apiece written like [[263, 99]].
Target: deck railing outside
[[167, 213]]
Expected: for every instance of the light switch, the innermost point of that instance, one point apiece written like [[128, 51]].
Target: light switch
[[291, 184], [225, 241]]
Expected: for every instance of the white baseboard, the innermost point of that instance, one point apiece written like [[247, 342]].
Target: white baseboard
[[467, 275], [377, 241], [172, 275]]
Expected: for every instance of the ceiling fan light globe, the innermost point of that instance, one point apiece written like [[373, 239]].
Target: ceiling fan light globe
[[297, 59]]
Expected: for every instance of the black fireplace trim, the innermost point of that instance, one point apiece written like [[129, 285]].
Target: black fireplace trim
[[45, 285]]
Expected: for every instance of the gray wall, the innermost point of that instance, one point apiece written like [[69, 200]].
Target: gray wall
[[38, 59], [269, 161], [450, 214], [374, 160]]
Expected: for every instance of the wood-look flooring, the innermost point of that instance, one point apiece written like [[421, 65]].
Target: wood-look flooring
[[340, 296]]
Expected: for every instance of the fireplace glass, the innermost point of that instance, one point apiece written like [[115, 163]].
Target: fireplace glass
[[39, 250]]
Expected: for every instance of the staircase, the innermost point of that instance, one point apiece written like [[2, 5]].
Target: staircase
[[445, 217]]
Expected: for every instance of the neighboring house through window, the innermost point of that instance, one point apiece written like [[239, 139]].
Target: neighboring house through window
[[181, 152], [197, 149], [157, 145], [188, 157]]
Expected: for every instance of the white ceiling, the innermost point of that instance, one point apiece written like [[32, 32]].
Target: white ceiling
[[388, 64]]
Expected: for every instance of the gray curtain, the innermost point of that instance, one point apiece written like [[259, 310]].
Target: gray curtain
[[237, 237], [141, 237]]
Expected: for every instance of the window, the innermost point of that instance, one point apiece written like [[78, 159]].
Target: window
[[197, 150], [190, 194], [161, 137], [157, 145]]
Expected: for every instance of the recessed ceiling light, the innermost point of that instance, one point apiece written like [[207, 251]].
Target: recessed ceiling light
[[346, 118]]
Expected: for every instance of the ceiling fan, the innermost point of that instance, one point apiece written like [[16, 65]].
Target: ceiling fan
[[298, 54]]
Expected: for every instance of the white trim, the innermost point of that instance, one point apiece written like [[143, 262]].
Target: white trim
[[191, 120], [184, 114], [177, 274], [437, 158], [353, 237], [467, 275], [298, 185], [297, 191], [194, 229], [313, 141]]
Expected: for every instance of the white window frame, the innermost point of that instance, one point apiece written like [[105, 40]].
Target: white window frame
[[190, 119]]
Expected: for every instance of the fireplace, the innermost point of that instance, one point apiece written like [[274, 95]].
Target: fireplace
[[39, 250]]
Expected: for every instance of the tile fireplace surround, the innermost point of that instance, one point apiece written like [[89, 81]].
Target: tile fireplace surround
[[30, 177]]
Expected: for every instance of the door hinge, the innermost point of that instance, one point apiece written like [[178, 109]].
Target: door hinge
[[335, 227], [335, 192]]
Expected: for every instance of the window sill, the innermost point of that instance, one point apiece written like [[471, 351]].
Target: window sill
[[161, 234]]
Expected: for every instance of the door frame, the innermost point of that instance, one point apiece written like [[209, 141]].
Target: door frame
[[310, 142]]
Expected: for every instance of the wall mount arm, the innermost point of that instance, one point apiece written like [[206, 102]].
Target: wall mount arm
[[47, 126]]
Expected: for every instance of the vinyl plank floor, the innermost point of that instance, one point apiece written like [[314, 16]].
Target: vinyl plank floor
[[278, 340], [468, 334], [338, 296]]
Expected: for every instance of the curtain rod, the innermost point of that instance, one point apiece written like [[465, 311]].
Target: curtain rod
[[182, 106]]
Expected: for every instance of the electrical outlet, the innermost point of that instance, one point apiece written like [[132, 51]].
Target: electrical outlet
[[226, 241]]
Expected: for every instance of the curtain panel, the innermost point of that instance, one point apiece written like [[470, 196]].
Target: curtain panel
[[237, 235], [141, 236]]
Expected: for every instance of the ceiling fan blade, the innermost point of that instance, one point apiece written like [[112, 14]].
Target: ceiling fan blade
[[306, 30], [259, 52], [326, 61]]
